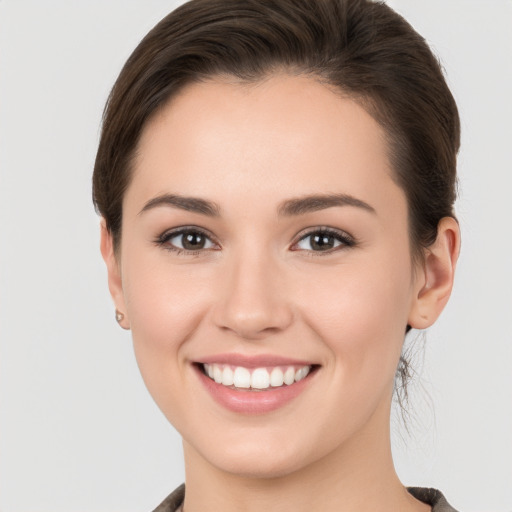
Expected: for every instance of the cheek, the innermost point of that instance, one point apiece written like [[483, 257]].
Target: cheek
[[360, 311], [165, 305], [163, 300]]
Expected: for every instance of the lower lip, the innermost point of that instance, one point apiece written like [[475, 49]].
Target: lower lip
[[252, 402]]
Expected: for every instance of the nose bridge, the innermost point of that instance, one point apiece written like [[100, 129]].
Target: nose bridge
[[253, 302]]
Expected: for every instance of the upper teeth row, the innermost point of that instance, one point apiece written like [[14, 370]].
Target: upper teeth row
[[258, 378]]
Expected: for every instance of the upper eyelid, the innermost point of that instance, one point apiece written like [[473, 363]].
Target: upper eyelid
[[169, 233], [323, 229]]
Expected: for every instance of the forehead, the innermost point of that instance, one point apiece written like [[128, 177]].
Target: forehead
[[286, 135]]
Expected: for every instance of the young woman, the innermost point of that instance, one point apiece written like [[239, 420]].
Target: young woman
[[276, 183]]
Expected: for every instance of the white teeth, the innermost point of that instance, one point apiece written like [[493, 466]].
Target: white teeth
[[217, 374], [227, 376], [258, 378], [289, 375], [241, 378], [276, 377], [300, 374]]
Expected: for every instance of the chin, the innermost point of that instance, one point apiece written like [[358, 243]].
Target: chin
[[256, 468], [259, 460]]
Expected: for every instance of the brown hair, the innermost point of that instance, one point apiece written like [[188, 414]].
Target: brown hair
[[361, 48]]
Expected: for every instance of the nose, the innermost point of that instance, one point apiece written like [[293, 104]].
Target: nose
[[253, 299]]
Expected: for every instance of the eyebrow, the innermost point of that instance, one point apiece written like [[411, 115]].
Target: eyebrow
[[313, 203], [190, 204], [290, 207]]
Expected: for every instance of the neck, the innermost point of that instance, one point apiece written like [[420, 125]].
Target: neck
[[357, 476]]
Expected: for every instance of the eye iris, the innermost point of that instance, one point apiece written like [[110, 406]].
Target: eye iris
[[193, 241], [322, 242]]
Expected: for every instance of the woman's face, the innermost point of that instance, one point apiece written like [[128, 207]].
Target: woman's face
[[263, 231]]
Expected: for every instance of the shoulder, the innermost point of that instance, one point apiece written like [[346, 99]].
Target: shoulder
[[173, 502], [432, 497]]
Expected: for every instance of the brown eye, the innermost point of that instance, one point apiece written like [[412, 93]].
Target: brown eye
[[187, 240], [323, 241], [193, 241]]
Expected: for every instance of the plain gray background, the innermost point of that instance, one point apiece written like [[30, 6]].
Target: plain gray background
[[78, 431]]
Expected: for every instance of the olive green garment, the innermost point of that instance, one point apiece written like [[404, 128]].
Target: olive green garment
[[431, 497]]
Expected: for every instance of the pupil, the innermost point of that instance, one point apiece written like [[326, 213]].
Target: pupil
[[322, 242], [193, 241]]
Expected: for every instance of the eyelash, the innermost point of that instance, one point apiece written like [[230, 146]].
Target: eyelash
[[346, 240], [163, 240]]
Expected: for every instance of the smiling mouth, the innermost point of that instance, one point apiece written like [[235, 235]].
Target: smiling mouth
[[255, 379]]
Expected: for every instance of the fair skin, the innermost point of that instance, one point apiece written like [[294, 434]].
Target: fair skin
[[259, 285]]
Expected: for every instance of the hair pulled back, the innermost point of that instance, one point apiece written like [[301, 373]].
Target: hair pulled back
[[361, 48]]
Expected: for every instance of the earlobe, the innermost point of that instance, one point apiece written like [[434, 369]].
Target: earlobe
[[115, 284], [435, 279]]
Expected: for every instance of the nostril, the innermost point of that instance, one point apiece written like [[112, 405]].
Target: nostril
[[254, 323]]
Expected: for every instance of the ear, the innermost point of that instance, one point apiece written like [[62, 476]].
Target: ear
[[434, 280], [115, 284]]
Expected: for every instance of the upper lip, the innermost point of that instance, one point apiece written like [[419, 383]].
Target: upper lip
[[255, 361]]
